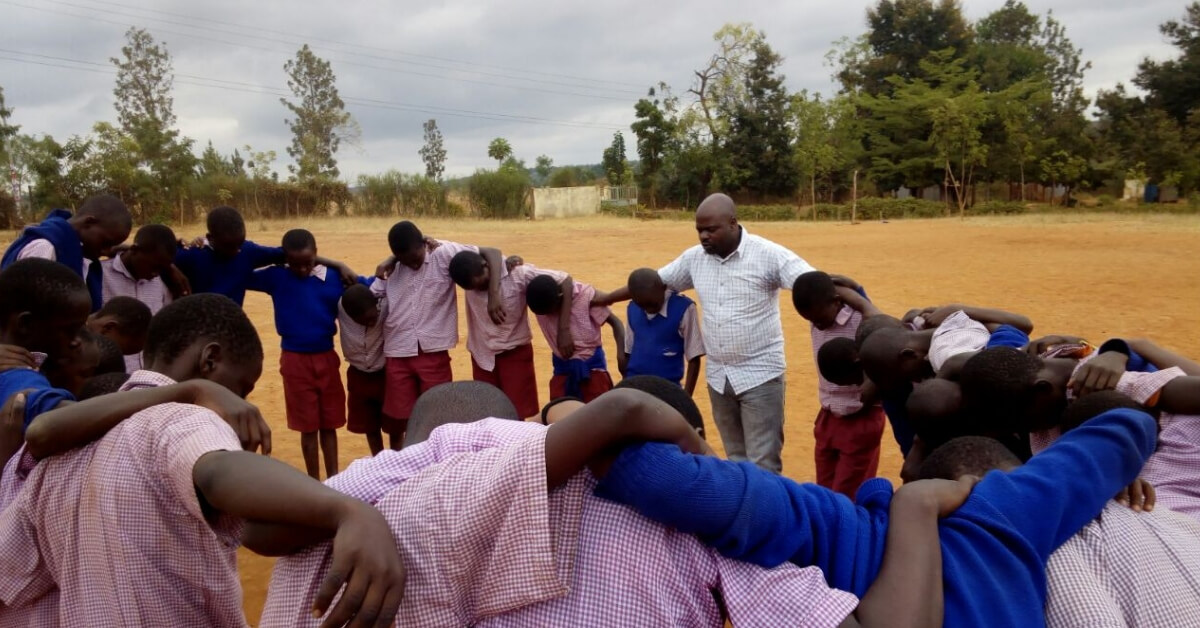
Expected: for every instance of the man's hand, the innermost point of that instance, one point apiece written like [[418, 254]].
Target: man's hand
[[1138, 496], [566, 343], [1100, 373], [942, 496], [365, 560], [241, 415], [13, 357], [496, 309], [1045, 343]]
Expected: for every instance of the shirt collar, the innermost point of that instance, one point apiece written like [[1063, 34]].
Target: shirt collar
[[146, 379], [741, 244], [319, 271], [663, 312], [118, 265]]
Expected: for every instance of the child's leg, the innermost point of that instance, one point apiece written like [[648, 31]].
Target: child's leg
[[857, 440], [333, 406], [308, 447], [403, 387], [515, 375], [329, 450], [364, 405], [825, 454], [301, 399]]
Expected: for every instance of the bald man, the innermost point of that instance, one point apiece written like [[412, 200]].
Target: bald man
[[737, 277]]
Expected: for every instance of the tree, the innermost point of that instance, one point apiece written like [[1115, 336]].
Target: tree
[[759, 143], [958, 117], [543, 166], [1174, 85], [145, 78], [213, 164], [7, 131], [828, 139], [900, 35], [614, 160], [433, 153], [653, 131], [500, 150], [720, 84], [260, 165], [321, 122]]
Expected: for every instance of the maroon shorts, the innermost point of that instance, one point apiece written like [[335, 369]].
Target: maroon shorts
[[599, 383], [312, 391], [407, 378], [847, 448], [514, 375], [364, 399]]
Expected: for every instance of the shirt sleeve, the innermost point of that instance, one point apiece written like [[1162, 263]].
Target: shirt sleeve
[[260, 255], [1060, 489], [42, 401], [262, 280], [190, 433], [790, 266], [1144, 388], [784, 596], [39, 248], [689, 328], [379, 288], [678, 274], [628, 333]]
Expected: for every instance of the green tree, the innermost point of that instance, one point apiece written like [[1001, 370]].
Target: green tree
[[500, 150], [958, 113], [145, 78], [1173, 85], [759, 144], [320, 122], [900, 35], [213, 164], [433, 153], [7, 131], [614, 160], [654, 132], [260, 166], [543, 166], [720, 85]]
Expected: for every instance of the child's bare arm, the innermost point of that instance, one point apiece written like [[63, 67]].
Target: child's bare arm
[[494, 259], [1180, 396], [72, 425], [365, 559], [12, 421], [349, 277], [618, 332], [1161, 357], [857, 302], [566, 341], [609, 298], [693, 375], [985, 315]]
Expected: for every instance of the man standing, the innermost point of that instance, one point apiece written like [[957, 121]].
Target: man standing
[[737, 277]]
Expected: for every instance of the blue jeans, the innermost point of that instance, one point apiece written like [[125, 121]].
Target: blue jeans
[[751, 424]]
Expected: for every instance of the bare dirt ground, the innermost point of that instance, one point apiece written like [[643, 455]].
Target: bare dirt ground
[[1092, 275]]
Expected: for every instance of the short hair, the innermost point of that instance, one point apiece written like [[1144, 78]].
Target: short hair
[[967, 455], [812, 289], [669, 393], [881, 351], [131, 315], [465, 266], [1000, 381], [225, 220], [873, 324], [299, 240], [837, 360], [935, 412], [111, 358], [1093, 405], [105, 384], [357, 299], [456, 402], [106, 207], [554, 402], [157, 238], [542, 294], [404, 236], [36, 285], [209, 317], [644, 280]]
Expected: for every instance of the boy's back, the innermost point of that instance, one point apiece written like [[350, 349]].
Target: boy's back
[[587, 321], [93, 521]]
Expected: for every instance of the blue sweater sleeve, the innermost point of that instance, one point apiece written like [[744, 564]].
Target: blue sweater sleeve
[[744, 512], [263, 255], [43, 401], [263, 280], [41, 396], [1008, 336], [1061, 489]]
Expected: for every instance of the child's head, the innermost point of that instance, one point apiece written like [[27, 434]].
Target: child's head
[[1091, 406], [102, 385], [837, 360], [873, 324], [456, 402], [95, 355], [105, 223], [544, 295], [407, 244], [559, 409], [669, 393], [361, 305], [125, 320], [152, 253], [470, 271], [968, 455], [300, 250], [226, 231], [43, 305], [647, 290], [890, 359], [815, 298], [935, 412], [205, 336], [1012, 388]]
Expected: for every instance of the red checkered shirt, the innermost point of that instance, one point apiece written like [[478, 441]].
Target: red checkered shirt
[[362, 346], [1126, 568], [587, 321], [840, 400], [422, 305], [486, 545], [115, 530], [485, 339]]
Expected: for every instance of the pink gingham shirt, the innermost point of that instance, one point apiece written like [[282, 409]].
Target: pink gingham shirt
[[113, 535], [689, 329], [957, 334], [1127, 569], [485, 544], [840, 400], [119, 282], [587, 321], [422, 305], [486, 339], [362, 346]]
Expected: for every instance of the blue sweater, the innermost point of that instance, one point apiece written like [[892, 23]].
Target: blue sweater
[[209, 272], [42, 397], [994, 548], [68, 250], [658, 349], [306, 309]]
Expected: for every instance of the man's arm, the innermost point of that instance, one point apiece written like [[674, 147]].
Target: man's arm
[[495, 260], [618, 332], [789, 266]]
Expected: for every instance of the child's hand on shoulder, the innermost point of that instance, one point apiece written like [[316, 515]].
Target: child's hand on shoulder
[[241, 415], [13, 357], [942, 497], [1138, 496], [1100, 373]]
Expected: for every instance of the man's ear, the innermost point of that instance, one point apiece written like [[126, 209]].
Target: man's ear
[[209, 357]]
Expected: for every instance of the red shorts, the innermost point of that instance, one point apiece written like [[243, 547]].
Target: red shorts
[[599, 383], [407, 378], [312, 391], [847, 448], [514, 375], [364, 400]]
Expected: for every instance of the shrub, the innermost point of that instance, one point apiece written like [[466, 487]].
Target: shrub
[[767, 212], [394, 192], [992, 208], [499, 193], [891, 208], [1104, 200]]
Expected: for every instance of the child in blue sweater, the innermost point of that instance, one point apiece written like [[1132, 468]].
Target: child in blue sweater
[[664, 332], [306, 294], [994, 548]]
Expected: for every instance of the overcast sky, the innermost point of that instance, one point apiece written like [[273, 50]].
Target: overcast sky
[[555, 78]]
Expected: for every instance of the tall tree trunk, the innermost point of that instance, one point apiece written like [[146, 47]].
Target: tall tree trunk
[[1022, 182], [854, 198]]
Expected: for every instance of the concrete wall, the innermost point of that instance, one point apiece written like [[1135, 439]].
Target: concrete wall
[[566, 202]]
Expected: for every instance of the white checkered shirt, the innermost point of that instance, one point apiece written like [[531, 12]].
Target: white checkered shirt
[[422, 305], [739, 296], [486, 545], [840, 400], [118, 282], [1127, 569], [361, 346], [957, 334]]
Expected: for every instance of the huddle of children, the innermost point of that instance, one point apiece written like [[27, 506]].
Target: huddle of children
[[126, 508]]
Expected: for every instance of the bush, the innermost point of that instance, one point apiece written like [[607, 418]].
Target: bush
[[892, 208], [1104, 200], [993, 208], [394, 193], [767, 212], [499, 193]]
